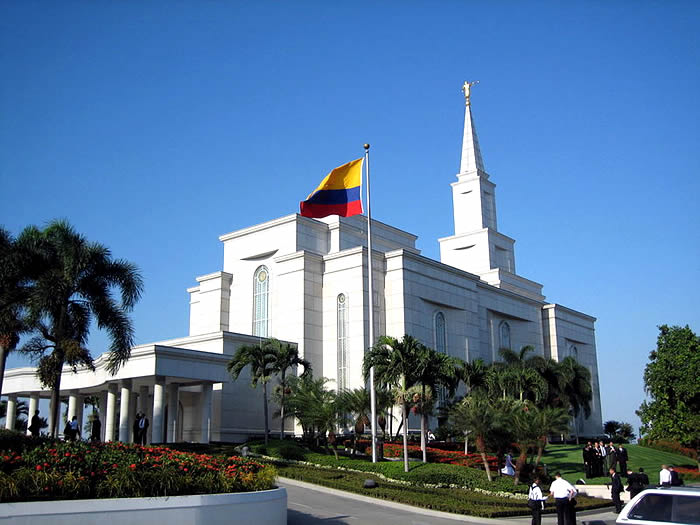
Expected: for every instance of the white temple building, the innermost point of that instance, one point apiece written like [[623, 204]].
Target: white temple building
[[305, 281]]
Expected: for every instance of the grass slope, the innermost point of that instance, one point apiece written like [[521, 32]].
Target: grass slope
[[568, 460]]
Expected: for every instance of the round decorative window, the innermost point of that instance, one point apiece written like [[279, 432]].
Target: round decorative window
[[262, 276], [341, 298]]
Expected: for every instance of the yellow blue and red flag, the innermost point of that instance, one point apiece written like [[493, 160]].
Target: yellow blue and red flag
[[338, 193]]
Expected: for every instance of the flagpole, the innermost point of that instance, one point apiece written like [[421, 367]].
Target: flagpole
[[372, 391]]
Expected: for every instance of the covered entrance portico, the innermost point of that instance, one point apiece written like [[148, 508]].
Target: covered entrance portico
[[172, 386]]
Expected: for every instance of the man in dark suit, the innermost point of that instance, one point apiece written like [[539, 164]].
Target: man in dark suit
[[634, 483], [615, 489], [588, 460], [612, 456], [643, 478], [622, 458]]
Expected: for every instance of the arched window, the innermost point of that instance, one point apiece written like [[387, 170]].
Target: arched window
[[440, 330], [342, 307], [573, 351], [440, 333], [261, 308], [504, 333]]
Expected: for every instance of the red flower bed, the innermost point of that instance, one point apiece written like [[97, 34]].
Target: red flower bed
[[435, 455]]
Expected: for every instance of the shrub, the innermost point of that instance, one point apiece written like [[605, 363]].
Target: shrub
[[292, 451], [670, 446], [66, 470]]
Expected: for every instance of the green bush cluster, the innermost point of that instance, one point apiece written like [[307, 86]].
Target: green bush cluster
[[442, 499], [76, 470], [419, 473]]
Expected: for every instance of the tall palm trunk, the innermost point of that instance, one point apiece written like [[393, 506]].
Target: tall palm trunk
[[283, 375], [466, 442], [265, 410], [4, 350], [404, 417], [423, 425], [56, 403], [481, 447], [519, 464], [541, 443]]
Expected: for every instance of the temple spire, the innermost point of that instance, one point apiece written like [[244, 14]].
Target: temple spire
[[471, 154]]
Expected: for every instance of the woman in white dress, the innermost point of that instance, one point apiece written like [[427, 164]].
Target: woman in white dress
[[508, 470]]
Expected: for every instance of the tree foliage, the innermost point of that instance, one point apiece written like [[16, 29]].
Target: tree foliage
[[671, 382]]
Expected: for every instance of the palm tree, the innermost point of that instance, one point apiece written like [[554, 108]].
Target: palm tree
[[577, 389], [76, 284], [16, 271], [525, 433], [521, 375], [473, 374], [394, 365], [432, 370], [357, 402], [286, 357], [476, 413], [548, 421], [261, 359]]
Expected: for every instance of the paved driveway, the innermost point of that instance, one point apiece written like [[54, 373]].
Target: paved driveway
[[312, 505]]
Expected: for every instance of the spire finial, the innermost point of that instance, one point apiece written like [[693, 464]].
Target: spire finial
[[467, 89]]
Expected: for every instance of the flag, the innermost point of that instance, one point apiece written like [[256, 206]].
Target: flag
[[338, 193]]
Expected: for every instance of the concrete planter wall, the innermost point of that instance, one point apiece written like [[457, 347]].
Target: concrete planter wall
[[268, 507], [600, 491]]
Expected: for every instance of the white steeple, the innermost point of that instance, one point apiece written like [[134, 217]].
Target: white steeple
[[477, 246], [471, 154]]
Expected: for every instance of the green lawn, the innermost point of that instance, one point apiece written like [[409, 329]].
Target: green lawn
[[568, 460]]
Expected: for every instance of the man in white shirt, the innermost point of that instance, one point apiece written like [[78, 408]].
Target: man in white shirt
[[563, 492], [665, 476]]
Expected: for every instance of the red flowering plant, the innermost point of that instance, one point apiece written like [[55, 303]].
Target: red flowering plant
[[94, 470], [435, 455]]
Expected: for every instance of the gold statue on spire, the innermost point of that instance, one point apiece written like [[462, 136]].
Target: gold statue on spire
[[466, 89]]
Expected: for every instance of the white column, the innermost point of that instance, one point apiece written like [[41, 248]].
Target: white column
[[72, 405], [103, 414], [33, 407], [51, 413], [173, 390], [11, 413], [205, 411], [158, 406], [124, 406], [110, 416]]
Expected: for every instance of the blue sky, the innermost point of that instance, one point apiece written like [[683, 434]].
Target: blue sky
[[155, 127]]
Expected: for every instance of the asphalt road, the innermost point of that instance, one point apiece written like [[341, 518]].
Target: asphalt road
[[311, 505]]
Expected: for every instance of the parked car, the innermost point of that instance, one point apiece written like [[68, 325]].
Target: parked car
[[679, 505]]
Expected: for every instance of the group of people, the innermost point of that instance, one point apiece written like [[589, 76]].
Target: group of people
[[599, 458], [564, 495]]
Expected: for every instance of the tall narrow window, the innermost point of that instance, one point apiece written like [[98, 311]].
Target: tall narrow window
[[261, 292], [440, 346], [504, 330], [342, 342], [573, 351]]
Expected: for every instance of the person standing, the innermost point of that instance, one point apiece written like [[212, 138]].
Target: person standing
[[137, 428], [588, 460], [535, 500], [603, 458], [634, 485], [665, 476], [35, 426], [74, 428], [676, 480], [643, 478], [612, 456], [622, 458], [508, 469], [143, 429], [95, 428], [563, 493], [597, 461], [615, 489]]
